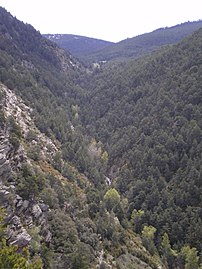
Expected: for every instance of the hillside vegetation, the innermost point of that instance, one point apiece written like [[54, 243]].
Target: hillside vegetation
[[99, 168], [57, 211], [148, 114]]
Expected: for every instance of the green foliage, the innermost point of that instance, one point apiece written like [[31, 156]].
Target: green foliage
[[57, 161], [14, 141], [10, 257], [191, 257], [148, 233], [87, 232], [31, 135], [105, 156], [2, 118], [14, 128], [136, 218], [168, 254], [30, 183], [64, 232], [111, 198], [136, 214], [34, 152], [15, 133], [82, 258], [50, 197], [147, 115], [2, 225], [35, 243], [75, 111]]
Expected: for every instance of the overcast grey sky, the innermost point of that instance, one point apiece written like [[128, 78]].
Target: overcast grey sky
[[111, 20]]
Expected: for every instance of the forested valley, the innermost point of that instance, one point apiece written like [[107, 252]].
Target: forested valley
[[100, 167]]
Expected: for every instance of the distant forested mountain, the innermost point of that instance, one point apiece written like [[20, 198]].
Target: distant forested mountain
[[100, 168], [93, 50], [79, 46], [138, 46]]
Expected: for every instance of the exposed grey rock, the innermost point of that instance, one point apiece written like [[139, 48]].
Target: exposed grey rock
[[5, 169], [42, 220], [9, 216], [4, 187], [4, 192], [3, 197], [16, 222], [44, 207], [11, 186], [29, 221], [21, 213], [19, 204], [2, 158], [48, 237], [4, 148], [18, 197], [125, 260], [22, 239], [16, 200], [25, 204], [36, 211]]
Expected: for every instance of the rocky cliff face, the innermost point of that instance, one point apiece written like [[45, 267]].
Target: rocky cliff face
[[22, 215]]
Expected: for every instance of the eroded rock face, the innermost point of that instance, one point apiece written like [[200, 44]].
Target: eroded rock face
[[22, 214], [5, 149], [20, 239]]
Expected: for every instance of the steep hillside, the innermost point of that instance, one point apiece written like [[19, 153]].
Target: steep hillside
[[79, 46], [40, 192], [99, 169], [148, 114], [138, 46], [53, 183]]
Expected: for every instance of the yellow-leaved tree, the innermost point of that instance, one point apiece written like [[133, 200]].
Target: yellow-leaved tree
[[111, 198]]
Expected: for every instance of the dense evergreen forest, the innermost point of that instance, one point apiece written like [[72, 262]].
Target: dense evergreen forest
[[148, 114], [123, 182]]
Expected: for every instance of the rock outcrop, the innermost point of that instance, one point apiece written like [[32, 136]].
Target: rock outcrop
[[21, 214]]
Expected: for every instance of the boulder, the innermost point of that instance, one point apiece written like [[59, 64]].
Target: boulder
[[44, 207], [29, 221], [36, 211], [25, 204], [16, 222], [2, 158], [48, 237], [22, 239], [19, 204], [5, 169], [4, 148]]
